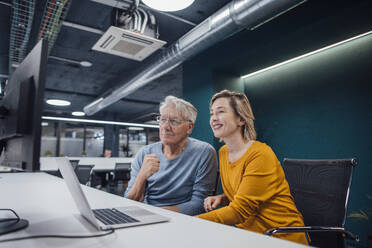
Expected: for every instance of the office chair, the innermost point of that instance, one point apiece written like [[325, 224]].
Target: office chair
[[119, 176], [320, 189], [83, 172], [56, 173], [74, 163]]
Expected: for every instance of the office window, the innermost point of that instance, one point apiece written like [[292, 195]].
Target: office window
[[94, 141], [67, 139], [132, 139], [48, 139], [72, 140]]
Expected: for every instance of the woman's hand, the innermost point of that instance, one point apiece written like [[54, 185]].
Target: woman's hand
[[212, 202]]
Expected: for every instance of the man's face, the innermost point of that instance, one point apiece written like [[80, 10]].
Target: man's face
[[173, 129]]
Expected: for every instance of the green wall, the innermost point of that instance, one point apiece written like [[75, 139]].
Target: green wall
[[317, 107], [198, 90]]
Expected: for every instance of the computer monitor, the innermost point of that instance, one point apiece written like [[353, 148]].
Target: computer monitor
[[21, 108], [20, 120]]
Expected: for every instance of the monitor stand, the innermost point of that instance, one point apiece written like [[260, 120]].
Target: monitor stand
[[8, 226]]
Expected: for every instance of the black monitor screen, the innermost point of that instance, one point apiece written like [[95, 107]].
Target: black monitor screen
[[20, 121]]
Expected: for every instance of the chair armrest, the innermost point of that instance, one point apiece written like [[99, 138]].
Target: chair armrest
[[344, 233]]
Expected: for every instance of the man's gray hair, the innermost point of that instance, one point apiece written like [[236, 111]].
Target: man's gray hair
[[186, 109]]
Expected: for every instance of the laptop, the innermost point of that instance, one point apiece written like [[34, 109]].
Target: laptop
[[107, 218]]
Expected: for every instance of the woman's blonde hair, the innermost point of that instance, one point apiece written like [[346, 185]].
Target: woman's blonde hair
[[242, 108]]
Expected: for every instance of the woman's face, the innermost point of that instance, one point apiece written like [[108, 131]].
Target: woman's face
[[223, 120]]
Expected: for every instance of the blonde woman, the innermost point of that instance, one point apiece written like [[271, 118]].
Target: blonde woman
[[256, 194]]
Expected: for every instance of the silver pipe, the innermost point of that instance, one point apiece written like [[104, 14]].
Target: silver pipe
[[144, 23], [232, 18], [81, 27], [137, 2], [64, 59], [4, 76], [139, 20], [135, 21]]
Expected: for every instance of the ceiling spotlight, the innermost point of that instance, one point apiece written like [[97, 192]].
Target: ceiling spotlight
[[173, 5], [86, 64], [81, 63], [57, 102], [78, 113]]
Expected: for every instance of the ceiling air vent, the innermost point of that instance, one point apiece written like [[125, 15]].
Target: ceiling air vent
[[124, 43]]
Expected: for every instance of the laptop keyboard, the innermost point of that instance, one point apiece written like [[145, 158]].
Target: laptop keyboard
[[112, 216]]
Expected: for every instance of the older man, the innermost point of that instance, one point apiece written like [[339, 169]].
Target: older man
[[178, 172]]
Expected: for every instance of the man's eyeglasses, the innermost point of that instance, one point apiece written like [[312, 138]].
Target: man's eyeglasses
[[173, 122]]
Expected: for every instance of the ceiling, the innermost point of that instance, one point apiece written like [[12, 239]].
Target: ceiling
[[82, 85]]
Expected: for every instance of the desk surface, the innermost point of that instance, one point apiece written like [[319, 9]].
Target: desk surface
[[46, 203], [100, 163]]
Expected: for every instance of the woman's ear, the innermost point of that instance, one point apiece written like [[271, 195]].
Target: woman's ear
[[241, 122]]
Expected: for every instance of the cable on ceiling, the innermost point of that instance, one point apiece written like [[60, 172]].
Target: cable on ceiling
[[55, 13]]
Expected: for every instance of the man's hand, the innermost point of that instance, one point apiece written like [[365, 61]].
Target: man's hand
[[212, 202], [149, 166]]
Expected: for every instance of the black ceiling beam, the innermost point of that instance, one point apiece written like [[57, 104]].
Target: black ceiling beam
[[70, 92]]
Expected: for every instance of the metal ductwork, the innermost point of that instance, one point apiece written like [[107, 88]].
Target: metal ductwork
[[232, 18]]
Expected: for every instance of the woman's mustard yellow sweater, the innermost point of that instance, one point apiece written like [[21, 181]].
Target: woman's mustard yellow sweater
[[259, 194]]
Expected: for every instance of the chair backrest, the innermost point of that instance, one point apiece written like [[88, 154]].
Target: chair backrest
[[74, 163], [122, 171], [83, 173], [320, 189]]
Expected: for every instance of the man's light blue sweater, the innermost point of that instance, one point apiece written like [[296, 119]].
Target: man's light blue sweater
[[183, 181]]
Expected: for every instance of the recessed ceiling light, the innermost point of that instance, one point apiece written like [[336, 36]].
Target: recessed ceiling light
[[44, 124], [173, 5], [78, 113], [57, 102], [86, 63], [135, 128]]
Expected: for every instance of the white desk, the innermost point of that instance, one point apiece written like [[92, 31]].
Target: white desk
[[5, 169], [46, 203], [100, 163]]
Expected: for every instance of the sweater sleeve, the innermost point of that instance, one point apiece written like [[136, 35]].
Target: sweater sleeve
[[204, 184], [258, 184], [135, 168]]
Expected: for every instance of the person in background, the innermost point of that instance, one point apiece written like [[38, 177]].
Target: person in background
[[177, 172], [107, 153], [256, 195]]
